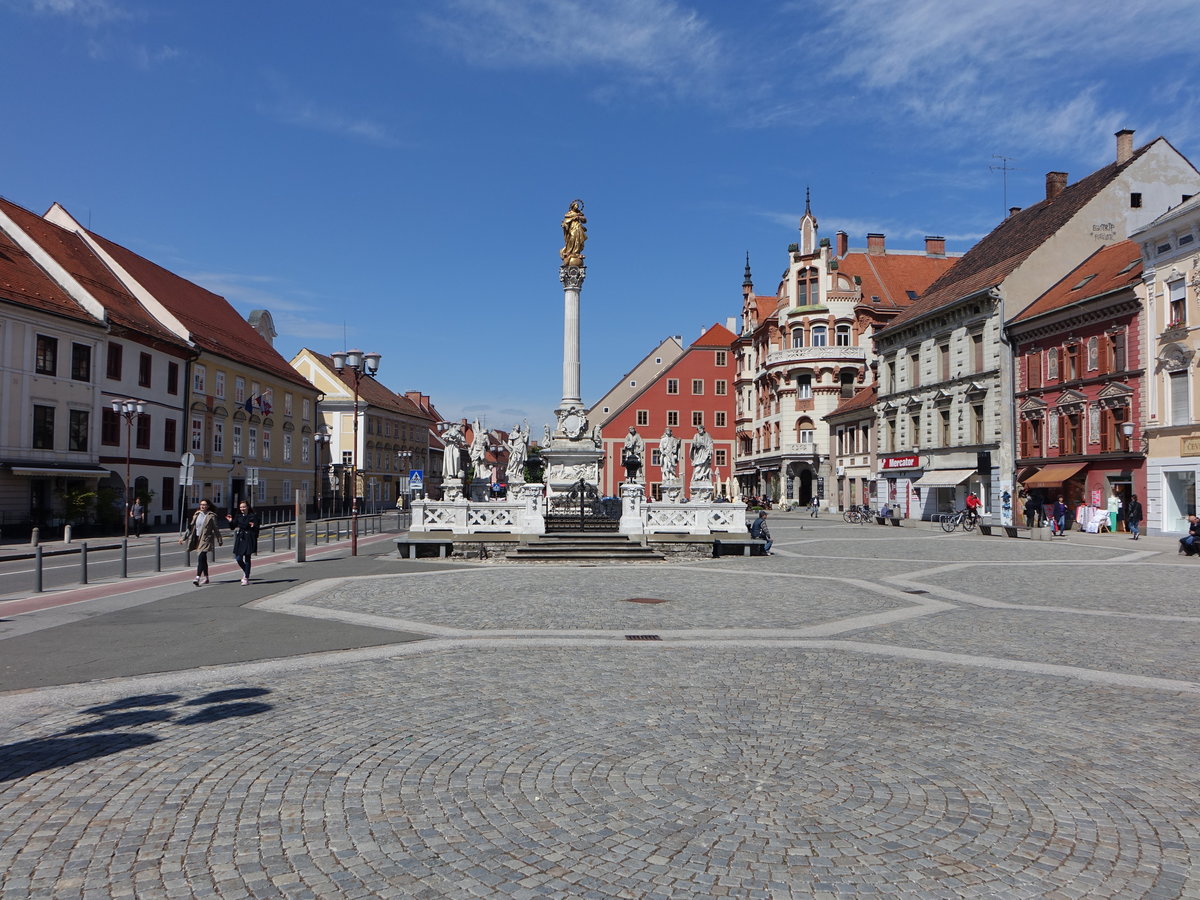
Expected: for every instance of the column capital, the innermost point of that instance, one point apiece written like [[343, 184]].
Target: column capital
[[572, 276]]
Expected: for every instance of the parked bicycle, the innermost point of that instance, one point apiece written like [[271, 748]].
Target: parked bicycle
[[859, 515]]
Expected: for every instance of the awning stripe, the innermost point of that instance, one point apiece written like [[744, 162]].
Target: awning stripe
[[1055, 474], [943, 478]]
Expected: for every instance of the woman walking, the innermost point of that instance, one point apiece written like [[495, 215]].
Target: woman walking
[[245, 537], [203, 536]]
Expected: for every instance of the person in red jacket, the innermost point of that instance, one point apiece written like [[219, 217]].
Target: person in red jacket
[[973, 505]]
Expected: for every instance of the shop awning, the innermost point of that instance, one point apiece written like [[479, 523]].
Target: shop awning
[[943, 478], [1055, 474], [50, 471]]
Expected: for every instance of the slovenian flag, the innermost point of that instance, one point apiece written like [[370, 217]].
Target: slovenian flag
[[249, 405]]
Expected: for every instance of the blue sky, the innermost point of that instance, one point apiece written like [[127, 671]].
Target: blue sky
[[398, 170]]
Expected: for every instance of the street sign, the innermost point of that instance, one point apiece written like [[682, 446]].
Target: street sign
[[187, 469], [416, 480]]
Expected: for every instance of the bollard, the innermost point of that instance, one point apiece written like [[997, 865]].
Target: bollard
[[272, 538], [124, 557], [66, 534], [83, 562], [37, 570], [34, 536], [289, 537], [158, 553]]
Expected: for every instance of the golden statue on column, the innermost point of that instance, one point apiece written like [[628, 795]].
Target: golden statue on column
[[574, 226]]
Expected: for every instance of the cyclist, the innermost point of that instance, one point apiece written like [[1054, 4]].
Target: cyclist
[[974, 504]]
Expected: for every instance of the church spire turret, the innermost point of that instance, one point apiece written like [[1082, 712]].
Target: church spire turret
[[808, 227], [747, 281]]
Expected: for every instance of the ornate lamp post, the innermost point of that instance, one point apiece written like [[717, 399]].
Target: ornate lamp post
[[320, 440], [359, 364], [128, 409], [404, 458]]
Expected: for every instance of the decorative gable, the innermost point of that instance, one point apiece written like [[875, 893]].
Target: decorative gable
[[1033, 408], [1069, 399], [1115, 396]]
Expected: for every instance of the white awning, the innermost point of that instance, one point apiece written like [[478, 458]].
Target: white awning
[[37, 472], [943, 478]]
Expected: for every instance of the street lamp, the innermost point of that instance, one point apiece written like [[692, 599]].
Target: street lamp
[[128, 409], [404, 460], [320, 440], [359, 364]]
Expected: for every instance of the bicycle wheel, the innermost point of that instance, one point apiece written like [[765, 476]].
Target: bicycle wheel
[[949, 523], [968, 523], [850, 516]]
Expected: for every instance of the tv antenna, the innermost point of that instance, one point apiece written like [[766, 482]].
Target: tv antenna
[[1005, 168]]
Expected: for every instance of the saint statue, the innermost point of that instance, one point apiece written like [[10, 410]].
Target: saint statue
[[634, 451], [455, 441], [668, 448], [574, 227], [701, 456], [518, 453], [478, 451]]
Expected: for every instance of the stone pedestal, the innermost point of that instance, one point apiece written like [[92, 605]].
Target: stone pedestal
[[452, 489], [672, 492], [702, 491], [633, 498]]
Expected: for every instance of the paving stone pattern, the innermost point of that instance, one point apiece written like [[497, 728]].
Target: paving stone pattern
[[938, 756]]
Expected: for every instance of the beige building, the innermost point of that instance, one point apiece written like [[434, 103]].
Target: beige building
[[392, 436], [852, 450], [1170, 247]]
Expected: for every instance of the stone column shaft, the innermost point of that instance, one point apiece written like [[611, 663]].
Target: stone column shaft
[[572, 280]]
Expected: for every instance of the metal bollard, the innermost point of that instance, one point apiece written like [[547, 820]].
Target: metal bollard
[[158, 553], [83, 562], [289, 537], [37, 570], [272, 538], [124, 557]]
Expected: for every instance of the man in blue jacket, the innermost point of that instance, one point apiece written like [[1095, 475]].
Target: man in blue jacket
[[759, 531]]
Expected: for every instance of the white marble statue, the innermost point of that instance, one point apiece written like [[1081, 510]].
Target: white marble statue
[[478, 451], [668, 448], [635, 448], [455, 441], [518, 453], [701, 455]]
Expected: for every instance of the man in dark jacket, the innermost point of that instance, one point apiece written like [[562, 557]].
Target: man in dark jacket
[[1134, 516], [1188, 543], [760, 531]]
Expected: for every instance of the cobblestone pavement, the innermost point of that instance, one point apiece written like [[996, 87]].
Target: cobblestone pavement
[[803, 728]]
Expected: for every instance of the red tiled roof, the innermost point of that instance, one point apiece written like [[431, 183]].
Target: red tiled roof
[[765, 307], [1011, 242], [890, 276], [1108, 269], [717, 336], [213, 323], [372, 392], [73, 254], [24, 282], [864, 398]]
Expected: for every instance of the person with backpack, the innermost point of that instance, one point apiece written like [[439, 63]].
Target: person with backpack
[[1133, 516]]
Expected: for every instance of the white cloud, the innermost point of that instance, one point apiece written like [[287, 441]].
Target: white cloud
[[292, 311], [290, 109], [647, 42], [87, 12]]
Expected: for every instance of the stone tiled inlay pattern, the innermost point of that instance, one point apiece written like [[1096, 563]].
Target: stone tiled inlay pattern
[[803, 729], [574, 772], [559, 598]]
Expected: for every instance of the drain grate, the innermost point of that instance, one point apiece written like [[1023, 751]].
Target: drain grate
[[642, 637], [645, 600], [916, 592]]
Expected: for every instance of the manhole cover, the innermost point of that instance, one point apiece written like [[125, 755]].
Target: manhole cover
[[645, 600], [642, 637]]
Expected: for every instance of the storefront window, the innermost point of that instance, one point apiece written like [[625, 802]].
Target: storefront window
[[1179, 500]]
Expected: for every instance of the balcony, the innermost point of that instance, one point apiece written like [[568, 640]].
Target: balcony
[[800, 449], [806, 354]]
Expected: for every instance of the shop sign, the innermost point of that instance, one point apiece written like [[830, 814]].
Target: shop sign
[[1189, 446], [901, 462]]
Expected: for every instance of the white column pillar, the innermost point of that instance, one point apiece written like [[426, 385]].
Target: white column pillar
[[572, 280]]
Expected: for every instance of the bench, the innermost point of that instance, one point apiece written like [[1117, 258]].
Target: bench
[[408, 546], [1012, 531], [883, 520], [746, 545]]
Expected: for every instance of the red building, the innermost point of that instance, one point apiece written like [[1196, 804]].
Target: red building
[[1079, 368], [696, 389]]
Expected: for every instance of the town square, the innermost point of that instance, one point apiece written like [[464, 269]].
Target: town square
[[617, 449]]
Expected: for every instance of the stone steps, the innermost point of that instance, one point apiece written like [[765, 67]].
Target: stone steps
[[585, 546]]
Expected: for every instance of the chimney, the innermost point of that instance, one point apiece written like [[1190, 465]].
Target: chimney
[[1013, 210], [843, 244], [935, 245], [1055, 182], [875, 244], [1124, 145]]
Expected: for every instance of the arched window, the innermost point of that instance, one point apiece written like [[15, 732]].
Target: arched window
[[843, 336], [804, 430], [807, 291], [797, 336], [820, 335]]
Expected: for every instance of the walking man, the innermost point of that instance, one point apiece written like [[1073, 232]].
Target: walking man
[[1133, 516], [137, 516], [814, 507]]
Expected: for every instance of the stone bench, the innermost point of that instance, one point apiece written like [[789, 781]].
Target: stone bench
[[883, 520], [1012, 531], [407, 546], [722, 546]]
